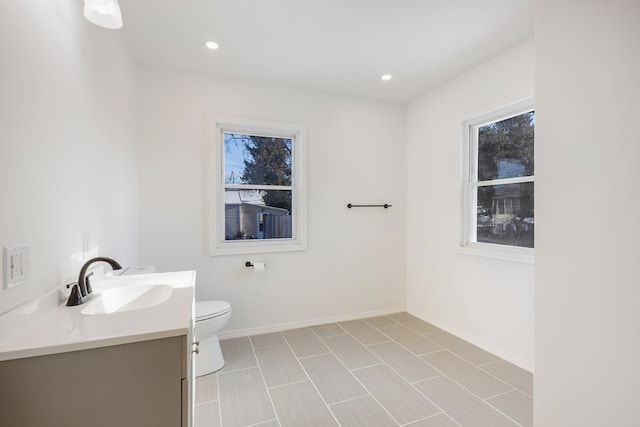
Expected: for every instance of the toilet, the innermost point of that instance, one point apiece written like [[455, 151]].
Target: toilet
[[211, 316]]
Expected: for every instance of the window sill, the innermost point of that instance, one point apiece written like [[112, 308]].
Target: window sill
[[254, 247], [505, 253]]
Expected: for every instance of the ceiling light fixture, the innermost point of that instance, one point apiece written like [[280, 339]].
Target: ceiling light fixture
[[386, 77], [103, 13], [212, 45]]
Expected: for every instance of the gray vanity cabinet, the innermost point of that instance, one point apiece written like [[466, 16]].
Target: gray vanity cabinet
[[139, 384]]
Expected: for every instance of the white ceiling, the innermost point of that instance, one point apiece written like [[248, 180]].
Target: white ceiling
[[337, 46]]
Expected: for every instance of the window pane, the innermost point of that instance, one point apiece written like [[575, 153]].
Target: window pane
[[257, 160], [505, 148], [506, 214], [257, 214]]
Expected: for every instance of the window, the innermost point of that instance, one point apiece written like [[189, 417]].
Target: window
[[258, 202], [499, 199]]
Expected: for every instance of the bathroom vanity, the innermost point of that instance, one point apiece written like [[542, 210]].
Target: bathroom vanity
[[123, 358]]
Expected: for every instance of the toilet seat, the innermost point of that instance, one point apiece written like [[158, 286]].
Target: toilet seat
[[210, 309], [210, 318]]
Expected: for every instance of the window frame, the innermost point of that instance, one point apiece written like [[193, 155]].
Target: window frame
[[469, 183], [217, 243]]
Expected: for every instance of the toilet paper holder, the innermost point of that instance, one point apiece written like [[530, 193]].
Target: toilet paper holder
[[249, 264]]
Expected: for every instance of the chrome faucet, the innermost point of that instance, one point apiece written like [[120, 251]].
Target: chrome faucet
[[81, 290]]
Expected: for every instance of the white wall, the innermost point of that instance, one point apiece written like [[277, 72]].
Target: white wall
[[67, 141], [355, 262], [588, 196], [486, 301]]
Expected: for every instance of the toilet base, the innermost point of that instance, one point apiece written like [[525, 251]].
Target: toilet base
[[209, 359]]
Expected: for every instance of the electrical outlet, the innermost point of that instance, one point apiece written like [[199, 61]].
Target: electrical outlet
[[17, 263]]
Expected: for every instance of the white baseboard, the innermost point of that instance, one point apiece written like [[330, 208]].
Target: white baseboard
[[304, 323]]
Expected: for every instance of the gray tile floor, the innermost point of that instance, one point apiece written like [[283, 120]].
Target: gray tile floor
[[393, 370]]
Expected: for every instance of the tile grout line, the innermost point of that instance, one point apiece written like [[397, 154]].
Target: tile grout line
[[446, 376], [427, 397], [265, 346], [442, 375], [367, 394], [402, 378], [415, 330], [238, 370], [328, 336], [263, 422], [264, 381], [503, 414], [309, 376], [308, 357], [463, 387], [431, 416], [500, 394], [413, 353], [359, 341], [424, 361], [362, 367], [352, 372], [470, 392], [406, 348], [412, 384], [492, 362], [497, 359], [427, 379], [480, 365], [482, 370], [507, 383], [460, 384], [286, 384], [219, 398], [376, 327], [504, 380], [270, 346], [359, 382]]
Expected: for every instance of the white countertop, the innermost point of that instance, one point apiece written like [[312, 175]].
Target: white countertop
[[47, 326]]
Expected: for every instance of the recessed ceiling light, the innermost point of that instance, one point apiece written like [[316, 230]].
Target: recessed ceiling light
[[212, 45], [386, 77]]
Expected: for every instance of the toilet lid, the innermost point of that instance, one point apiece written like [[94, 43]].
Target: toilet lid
[[209, 309]]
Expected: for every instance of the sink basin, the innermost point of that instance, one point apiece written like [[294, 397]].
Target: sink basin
[[127, 298]]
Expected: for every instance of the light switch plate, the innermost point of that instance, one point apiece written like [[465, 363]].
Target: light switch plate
[[17, 263]]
